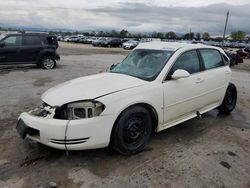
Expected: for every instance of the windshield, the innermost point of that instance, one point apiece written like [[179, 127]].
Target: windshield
[[143, 63]]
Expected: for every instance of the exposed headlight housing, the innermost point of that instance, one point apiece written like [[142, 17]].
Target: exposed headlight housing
[[44, 111], [80, 110]]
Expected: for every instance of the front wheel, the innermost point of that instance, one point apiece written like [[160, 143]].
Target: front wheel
[[230, 99], [48, 62], [132, 131]]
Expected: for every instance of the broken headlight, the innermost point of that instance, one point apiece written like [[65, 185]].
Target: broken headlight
[[43, 111], [80, 110]]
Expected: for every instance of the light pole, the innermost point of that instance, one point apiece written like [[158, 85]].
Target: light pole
[[225, 28]]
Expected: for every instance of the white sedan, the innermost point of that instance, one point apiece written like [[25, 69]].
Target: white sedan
[[157, 86], [129, 45]]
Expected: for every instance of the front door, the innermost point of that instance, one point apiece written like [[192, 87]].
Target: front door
[[10, 52], [182, 97]]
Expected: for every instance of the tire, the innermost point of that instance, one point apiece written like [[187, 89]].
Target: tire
[[230, 100], [48, 62], [132, 131]]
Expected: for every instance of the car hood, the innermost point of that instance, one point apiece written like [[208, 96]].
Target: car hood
[[89, 87]]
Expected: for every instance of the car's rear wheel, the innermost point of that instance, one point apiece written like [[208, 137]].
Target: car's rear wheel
[[132, 131], [48, 62], [230, 99]]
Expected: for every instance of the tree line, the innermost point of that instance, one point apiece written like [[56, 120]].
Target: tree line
[[171, 35]]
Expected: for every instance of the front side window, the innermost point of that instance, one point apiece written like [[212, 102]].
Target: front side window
[[211, 58], [188, 61], [13, 41], [32, 40], [145, 64]]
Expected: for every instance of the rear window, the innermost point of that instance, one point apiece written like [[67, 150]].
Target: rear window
[[211, 58], [32, 40]]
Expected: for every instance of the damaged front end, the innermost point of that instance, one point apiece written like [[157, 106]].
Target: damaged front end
[[45, 111], [69, 126], [75, 110]]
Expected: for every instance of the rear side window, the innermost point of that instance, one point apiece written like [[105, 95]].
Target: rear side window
[[188, 61], [211, 58], [13, 41], [32, 40]]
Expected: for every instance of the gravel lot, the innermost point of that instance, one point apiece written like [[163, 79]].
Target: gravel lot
[[209, 152]]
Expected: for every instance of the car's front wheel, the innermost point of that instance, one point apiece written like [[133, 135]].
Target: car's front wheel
[[230, 99], [132, 131], [48, 62]]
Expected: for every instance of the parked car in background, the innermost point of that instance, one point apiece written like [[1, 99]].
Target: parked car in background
[[59, 38], [129, 45], [29, 48], [157, 86], [99, 42], [81, 39], [91, 39], [2, 36], [72, 38], [114, 42]]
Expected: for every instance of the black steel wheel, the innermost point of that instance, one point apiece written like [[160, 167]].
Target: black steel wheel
[[230, 100], [132, 131]]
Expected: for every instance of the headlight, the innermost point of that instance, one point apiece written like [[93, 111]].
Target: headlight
[[80, 110], [44, 110]]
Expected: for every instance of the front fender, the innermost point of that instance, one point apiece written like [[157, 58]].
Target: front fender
[[151, 94]]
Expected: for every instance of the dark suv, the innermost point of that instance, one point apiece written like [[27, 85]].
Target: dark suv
[[115, 42], [29, 48]]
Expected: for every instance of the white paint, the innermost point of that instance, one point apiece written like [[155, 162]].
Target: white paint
[[174, 101]]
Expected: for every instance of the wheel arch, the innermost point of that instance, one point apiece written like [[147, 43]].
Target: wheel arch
[[44, 54], [152, 111]]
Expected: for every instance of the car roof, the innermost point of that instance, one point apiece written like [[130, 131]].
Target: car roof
[[171, 46]]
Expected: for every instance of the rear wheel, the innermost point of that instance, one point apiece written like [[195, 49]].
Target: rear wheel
[[48, 62], [230, 99], [132, 131]]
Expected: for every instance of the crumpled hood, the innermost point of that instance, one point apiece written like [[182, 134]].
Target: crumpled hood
[[89, 87]]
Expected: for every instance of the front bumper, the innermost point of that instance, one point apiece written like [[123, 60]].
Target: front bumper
[[81, 134]]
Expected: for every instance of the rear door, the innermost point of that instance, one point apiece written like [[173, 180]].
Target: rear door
[[11, 51], [31, 48], [216, 76]]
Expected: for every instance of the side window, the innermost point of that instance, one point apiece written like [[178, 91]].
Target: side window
[[188, 61], [32, 40], [13, 41], [211, 58]]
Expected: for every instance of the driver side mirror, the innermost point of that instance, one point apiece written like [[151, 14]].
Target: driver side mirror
[[2, 44], [180, 73]]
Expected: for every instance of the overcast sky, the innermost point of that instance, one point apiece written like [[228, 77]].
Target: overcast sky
[[135, 16]]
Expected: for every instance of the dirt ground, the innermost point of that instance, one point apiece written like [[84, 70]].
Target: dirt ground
[[209, 152]]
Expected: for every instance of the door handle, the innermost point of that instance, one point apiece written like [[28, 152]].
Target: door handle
[[227, 72], [199, 80]]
